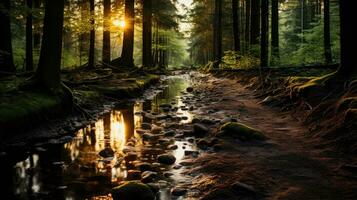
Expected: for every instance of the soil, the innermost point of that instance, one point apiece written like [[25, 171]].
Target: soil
[[287, 166]]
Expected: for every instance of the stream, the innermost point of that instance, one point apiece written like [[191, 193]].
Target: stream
[[72, 168]]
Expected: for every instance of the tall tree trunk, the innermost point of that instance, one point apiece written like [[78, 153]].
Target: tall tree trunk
[[275, 30], [327, 35], [156, 52], [235, 13], [29, 43], [37, 28], [147, 34], [84, 36], [348, 34], [127, 58], [91, 35], [264, 44], [247, 23], [6, 56], [255, 22], [106, 32], [48, 71], [217, 33]]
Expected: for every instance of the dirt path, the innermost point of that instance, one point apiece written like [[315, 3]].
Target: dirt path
[[287, 166]]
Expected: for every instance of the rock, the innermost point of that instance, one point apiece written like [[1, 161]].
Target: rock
[[202, 144], [169, 133], [156, 129], [167, 159], [133, 190], [131, 156], [184, 118], [200, 130], [189, 89], [146, 126], [172, 147], [196, 120], [107, 152], [177, 191], [177, 167], [190, 152], [149, 176], [208, 121], [168, 174], [134, 175], [240, 131], [242, 188], [191, 108], [144, 166]]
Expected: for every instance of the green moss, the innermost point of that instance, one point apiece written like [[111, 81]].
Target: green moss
[[133, 190], [24, 108], [240, 131]]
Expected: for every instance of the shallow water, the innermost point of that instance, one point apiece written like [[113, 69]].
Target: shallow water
[[71, 168]]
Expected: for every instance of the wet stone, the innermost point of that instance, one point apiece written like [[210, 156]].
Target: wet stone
[[134, 175], [177, 191], [131, 156], [200, 130], [172, 147], [132, 190], [167, 159], [149, 176], [146, 126], [189, 89], [106, 153]]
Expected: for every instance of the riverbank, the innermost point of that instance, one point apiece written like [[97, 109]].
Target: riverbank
[[29, 115]]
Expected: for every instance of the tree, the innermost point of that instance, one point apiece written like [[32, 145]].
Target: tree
[[255, 22], [6, 56], [128, 39], [49, 67], [106, 32], [275, 30], [327, 34], [247, 23], [147, 33], [264, 33], [29, 35], [235, 13], [91, 35], [347, 68], [217, 32], [37, 28]]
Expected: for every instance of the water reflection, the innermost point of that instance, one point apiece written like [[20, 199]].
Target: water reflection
[[75, 170]]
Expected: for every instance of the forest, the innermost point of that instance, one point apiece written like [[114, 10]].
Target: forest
[[178, 100]]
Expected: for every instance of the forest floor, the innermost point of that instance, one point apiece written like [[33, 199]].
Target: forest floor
[[289, 165], [28, 114]]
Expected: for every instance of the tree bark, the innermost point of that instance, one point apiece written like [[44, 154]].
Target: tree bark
[[264, 33], [91, 35], [37, 28], [255, 22], [6, 56], [127, 58], [275, 30], [48, 71], [347, 68], [235, 13], [327, 35], [247, 24], [29, 37], [147, 34], [106, 32], [217, 33]]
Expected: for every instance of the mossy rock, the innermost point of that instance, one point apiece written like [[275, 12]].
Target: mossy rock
[[133, 190], [240, 131]]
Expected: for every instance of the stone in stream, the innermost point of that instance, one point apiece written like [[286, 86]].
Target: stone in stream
[[189, 89], [240, 131], [167, 159], [131, 156], [146, 126], [156, 129], [149, 176], [177, 191], [200, 130], [131, 190], [202, 144], [169, 133], [190, 152], [133, 175], [107, 152], [144, 166], [172, 147]]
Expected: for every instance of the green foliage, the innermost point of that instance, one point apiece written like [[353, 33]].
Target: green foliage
[[235, 60]]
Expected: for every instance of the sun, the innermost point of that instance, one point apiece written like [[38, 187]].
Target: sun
[[118, 23]]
